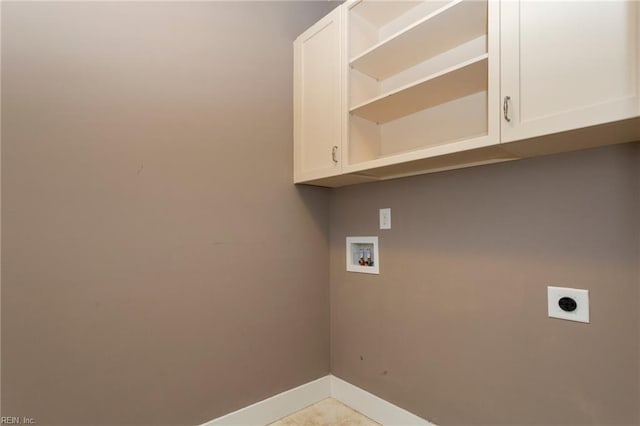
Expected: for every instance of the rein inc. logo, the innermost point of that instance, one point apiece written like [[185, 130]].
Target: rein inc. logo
[[16, 420]]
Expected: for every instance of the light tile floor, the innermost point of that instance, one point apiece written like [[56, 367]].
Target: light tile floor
[[328, 412]]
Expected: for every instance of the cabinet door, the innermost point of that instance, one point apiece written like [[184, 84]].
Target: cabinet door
[[567, 65], [318, 99]]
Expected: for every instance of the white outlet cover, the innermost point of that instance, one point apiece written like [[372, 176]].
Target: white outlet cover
[[580, 314], [385, 218]]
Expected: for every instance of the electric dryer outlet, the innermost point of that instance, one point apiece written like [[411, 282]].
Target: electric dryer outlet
[[568, 303]]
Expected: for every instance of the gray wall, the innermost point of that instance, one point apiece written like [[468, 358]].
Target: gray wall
[[455, 327], [158, 265], [160, 268]]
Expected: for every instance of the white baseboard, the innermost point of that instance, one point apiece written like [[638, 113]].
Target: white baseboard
[[282, 405], [278, 406], [374, 407]]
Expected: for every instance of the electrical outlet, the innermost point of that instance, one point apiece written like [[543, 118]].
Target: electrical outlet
[[385, 218], [568, 303]]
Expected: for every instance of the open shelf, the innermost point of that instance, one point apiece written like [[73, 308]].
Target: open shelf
[[455, 82], [379, 13], [451, 25]]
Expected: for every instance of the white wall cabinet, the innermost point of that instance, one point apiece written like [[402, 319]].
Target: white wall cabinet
[[567, 65], [387, 88], [319, 119]]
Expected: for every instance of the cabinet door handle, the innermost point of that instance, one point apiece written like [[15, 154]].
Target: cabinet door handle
[[505, 108], [334, 150]]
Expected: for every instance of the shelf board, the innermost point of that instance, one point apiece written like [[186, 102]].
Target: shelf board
[[447, 27], [379, 13], [452, 83]]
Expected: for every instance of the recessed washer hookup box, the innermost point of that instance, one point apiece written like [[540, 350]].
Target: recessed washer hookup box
[[362, 255]]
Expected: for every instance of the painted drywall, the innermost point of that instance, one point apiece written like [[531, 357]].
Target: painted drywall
[[455, 327], [638, 271], [158, 265]]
